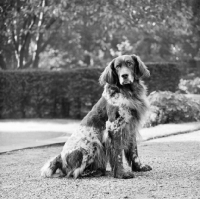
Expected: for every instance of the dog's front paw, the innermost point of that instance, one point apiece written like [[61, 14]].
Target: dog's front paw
[[124, 175], [141, 168], [146, 168]]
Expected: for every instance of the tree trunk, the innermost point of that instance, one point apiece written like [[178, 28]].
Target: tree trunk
[[36, 58], [2, 62], [87, 60], [38, 37], [18, 59]]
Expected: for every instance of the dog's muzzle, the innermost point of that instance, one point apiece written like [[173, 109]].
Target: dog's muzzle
[[125, 79]]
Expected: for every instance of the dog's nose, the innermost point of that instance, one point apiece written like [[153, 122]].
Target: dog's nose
[[125, 76]]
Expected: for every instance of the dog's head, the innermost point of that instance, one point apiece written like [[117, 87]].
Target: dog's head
[[124, 70]]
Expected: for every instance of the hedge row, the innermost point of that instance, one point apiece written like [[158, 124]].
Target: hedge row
[[65, 94], [164, 77]]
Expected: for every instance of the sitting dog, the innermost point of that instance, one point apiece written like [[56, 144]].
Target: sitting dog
[[110, 128]]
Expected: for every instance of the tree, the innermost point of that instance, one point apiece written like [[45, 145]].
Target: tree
[[61, 33], [156, 30], [195, 21], [27, 24]]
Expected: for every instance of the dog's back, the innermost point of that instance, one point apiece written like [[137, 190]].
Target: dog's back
[[97, 117]]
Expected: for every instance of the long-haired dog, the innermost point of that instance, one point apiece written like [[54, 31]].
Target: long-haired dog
[[110, 128]]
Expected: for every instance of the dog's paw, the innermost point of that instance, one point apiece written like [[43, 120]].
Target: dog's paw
[[99, 173], [124, 175], [94, 173], [146, 168], [141, 168]]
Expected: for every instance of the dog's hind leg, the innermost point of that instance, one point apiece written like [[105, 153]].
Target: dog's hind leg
[[95, 169], [76, 162], [49, 169], [96, 161], [73, 162]]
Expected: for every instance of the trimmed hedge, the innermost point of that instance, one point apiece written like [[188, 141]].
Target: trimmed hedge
[[164, 77], [65, 94], [47, 94]]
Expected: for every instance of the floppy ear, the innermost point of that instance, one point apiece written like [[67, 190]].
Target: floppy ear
[[108, 75], [140, 69]]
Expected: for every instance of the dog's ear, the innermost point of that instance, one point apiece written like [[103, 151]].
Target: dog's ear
[[140, 68], [108, 75]]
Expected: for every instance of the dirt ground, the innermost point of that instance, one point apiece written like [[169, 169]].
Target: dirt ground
[[175, 174]]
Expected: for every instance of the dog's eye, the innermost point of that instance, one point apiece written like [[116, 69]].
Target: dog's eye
[[118, 66], [129, 64]]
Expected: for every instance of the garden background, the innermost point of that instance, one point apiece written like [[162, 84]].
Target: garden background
[[52, 53]]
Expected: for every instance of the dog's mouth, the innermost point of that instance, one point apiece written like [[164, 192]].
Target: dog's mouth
[[125, 82]]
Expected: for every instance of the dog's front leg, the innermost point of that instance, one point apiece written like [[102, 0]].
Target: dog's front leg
[[116, 160], [131, 155], [136, 163], [118, 169]]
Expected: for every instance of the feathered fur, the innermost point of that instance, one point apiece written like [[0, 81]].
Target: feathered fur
[[110, 127]]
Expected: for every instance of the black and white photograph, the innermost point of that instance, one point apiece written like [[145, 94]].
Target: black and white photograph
[[100, 99]]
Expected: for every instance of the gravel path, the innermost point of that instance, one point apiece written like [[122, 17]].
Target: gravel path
[[175, 174]]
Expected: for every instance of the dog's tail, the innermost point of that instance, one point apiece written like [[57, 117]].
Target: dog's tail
[[49, 169]]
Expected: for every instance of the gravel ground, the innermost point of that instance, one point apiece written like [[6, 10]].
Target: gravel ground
[[175, 174]]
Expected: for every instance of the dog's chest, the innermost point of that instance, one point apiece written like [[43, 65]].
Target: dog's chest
[[126, 106]]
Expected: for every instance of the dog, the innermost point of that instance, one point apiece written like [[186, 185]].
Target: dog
[[110, 128]]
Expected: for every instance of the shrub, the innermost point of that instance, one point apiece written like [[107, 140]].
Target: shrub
[[190, 86], [164, 77], [168, 107], [65, 94], [48, 94]]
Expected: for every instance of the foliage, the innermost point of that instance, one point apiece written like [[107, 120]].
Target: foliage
[[63, 94], [117, 27], [164, 77], [90, 33], [168, 107], [195, 21], [46, 94], [191, 86], [29, 27]]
